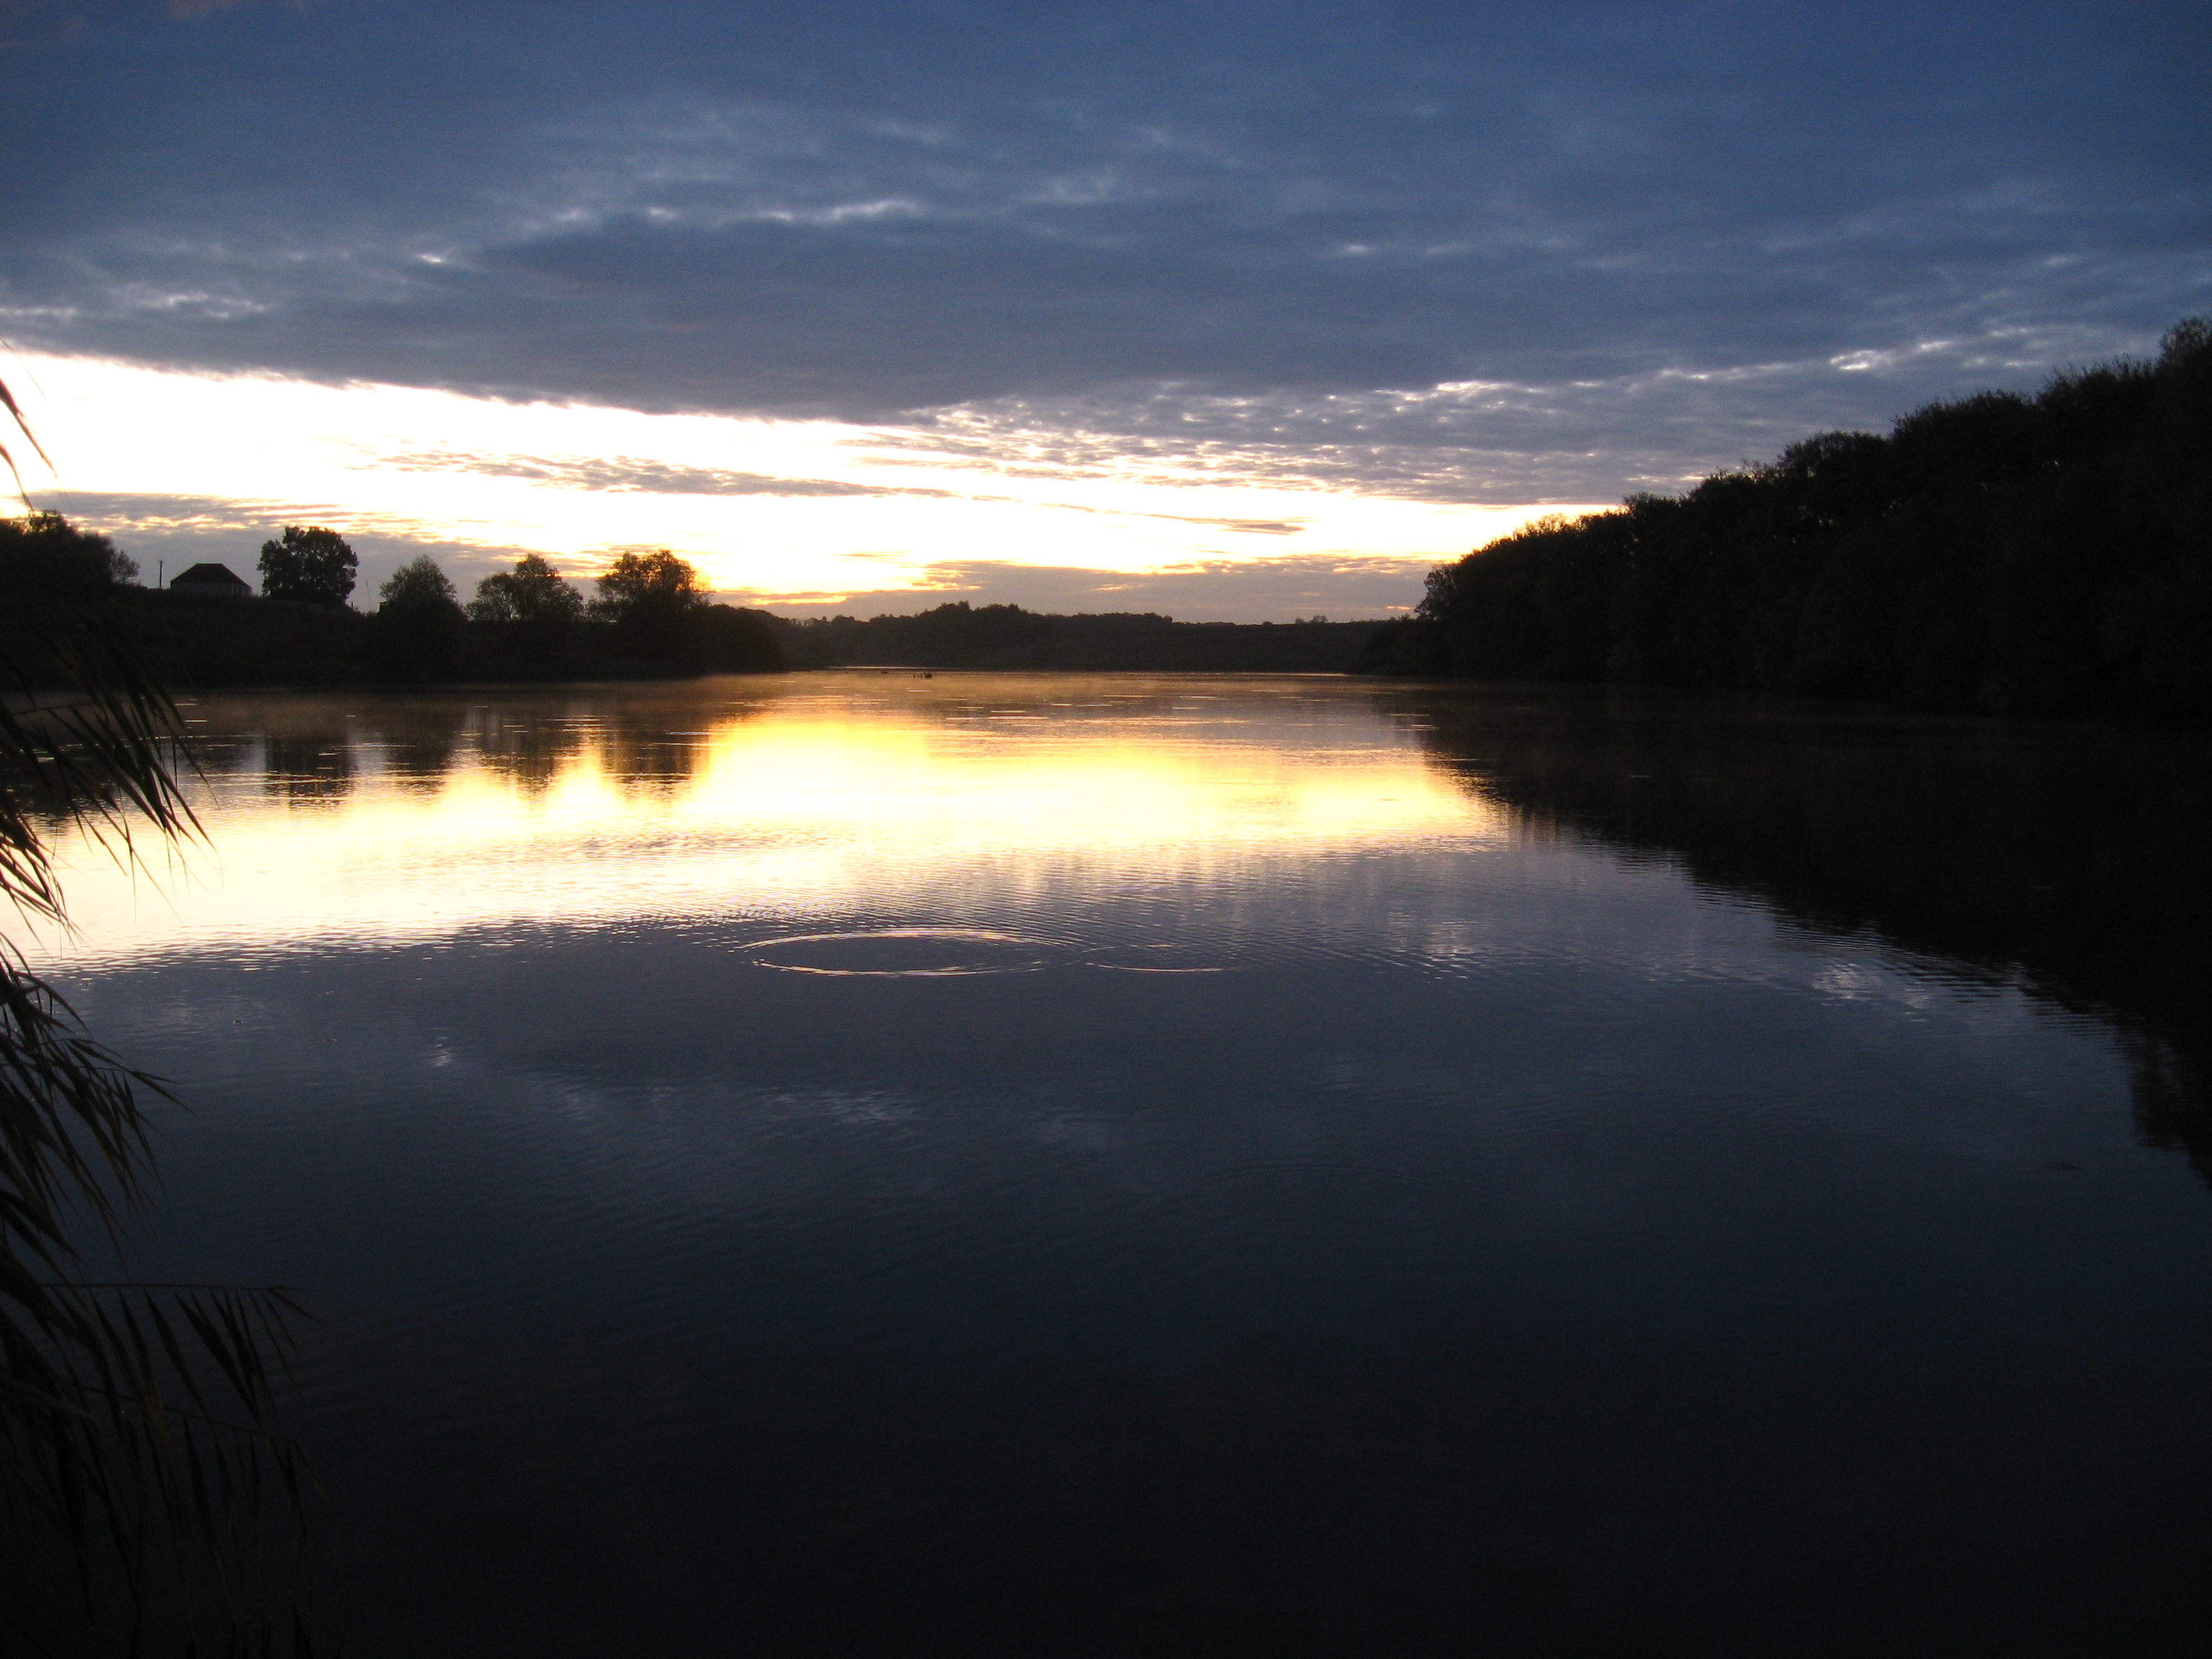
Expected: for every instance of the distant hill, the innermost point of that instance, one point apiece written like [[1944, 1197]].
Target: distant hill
[[1006, 636]]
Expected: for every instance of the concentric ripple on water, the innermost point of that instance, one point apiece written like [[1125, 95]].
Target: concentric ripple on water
[[902, 952]]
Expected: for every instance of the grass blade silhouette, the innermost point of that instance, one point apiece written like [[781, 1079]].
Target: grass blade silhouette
[[137, 1421]]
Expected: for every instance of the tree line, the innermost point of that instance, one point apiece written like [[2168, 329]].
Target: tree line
[[1995, 554], [650, 615], [961, 635]]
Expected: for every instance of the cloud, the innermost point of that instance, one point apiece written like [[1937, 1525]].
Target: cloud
[[635, 474], [178, 531], [630, 474], [1485, 250]]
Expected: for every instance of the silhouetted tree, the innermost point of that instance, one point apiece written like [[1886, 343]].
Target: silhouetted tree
[[44, 557], [731, 640], [533, 592], [650, 601], [531, 613], [417, 633], [308, 563], [418, 588], [1996, 553]]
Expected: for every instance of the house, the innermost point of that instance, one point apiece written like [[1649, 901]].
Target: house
[[214, 579]]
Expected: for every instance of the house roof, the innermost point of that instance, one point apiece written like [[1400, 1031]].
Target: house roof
[[208, 575]]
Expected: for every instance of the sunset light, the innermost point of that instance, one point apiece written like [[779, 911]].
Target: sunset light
[[777, 809], [1106, 828], [780, 513]]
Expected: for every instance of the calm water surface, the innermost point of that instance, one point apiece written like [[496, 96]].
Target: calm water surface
[[856, 1163]]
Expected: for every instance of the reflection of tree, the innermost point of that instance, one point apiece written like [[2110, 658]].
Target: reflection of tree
[[530, 749], [2070, 859], [418, 739], [655, 743], [644, 739], [311, 765], [312, 748]]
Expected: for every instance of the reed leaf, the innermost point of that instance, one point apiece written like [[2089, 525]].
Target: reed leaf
[[138, 1421]]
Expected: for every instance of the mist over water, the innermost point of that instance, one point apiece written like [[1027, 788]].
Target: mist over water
[[1206, 1165]]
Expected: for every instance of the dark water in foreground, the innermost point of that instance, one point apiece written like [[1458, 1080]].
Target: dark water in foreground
[[857, 1163]]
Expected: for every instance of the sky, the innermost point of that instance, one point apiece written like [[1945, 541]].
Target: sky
[[1236, 311]]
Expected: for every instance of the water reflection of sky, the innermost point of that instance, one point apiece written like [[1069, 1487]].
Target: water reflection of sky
[[1127, 1166], [429, 816]]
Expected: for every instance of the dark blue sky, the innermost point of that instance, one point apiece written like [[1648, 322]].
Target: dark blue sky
[[1657, 237]]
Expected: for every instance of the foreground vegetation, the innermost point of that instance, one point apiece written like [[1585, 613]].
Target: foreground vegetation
[[140, 1451], [1998, 554], [138, 1421]]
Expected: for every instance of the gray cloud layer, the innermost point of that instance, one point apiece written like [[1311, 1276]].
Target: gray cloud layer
[[633, 474], [1654, 237]]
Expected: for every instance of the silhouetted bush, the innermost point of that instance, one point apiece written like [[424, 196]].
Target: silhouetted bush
[[1995, 554]]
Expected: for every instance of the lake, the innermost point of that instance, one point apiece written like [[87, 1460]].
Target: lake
[[861, 1162]]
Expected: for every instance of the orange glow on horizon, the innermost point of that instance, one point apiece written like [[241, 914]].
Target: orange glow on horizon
[[778, 510]]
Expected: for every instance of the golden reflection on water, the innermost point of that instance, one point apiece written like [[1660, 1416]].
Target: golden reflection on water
[[387, 819]]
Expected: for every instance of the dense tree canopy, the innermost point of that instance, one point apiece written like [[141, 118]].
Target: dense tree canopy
[[1996, 554], [45, 558], [530, 616], [651, 600], [655, 578], [418, 586], [530, 594], [308, 563], [416, 632]]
